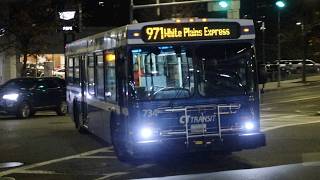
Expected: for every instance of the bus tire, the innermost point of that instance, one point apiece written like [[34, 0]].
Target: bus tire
[[78, 120]]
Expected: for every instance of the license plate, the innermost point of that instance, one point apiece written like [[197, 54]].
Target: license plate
[[198, 128]]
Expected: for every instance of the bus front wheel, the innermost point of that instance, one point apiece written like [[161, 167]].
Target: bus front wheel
[[78, 120]]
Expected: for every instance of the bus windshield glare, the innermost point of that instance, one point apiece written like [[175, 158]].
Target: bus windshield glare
[[225, 70], [173, 72]]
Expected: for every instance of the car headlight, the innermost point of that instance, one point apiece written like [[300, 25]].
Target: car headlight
[[12, 97], [249, 125]]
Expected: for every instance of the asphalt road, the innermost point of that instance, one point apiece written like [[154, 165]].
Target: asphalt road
[[50, 148]]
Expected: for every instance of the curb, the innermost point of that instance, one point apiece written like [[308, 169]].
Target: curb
[[310, 83]]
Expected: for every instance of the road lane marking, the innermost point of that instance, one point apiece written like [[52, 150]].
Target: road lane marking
[[111, 175], [288, 125], [266, 109], [97, 157], [17, 170], [144, 166], [38, 172], [292, 100], [311, 157]]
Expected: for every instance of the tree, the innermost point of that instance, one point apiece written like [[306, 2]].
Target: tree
[[26, 24]]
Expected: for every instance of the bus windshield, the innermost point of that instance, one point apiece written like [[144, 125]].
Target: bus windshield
[[163, 72], [225, 70], [168, 72]]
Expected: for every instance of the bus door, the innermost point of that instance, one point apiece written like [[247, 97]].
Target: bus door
[[84, 89]]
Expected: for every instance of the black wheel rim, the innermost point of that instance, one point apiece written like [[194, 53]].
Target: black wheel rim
[[63, 107], [25, 111]]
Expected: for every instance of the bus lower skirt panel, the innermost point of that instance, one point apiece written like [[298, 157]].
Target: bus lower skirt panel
[[180, 145]]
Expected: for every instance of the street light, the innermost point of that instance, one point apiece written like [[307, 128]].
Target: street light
[[280, 5], [67, 15]]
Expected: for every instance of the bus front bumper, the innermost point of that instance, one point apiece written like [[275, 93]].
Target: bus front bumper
[[227, 142]]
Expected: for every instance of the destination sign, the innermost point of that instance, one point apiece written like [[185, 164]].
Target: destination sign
[[190, 31]]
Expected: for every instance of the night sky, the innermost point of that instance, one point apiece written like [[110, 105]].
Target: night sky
[[105, 12]]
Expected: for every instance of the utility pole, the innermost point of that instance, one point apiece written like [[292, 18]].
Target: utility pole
[[280, 4], [279, 50], [304, 42], [80, 16], [158, 8], [263, 29]]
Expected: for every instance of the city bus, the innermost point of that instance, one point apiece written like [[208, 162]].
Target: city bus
[[171, 86]]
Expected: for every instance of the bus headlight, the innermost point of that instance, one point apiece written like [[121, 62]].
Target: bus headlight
[[12, 97], [146, 133], [249, 125]]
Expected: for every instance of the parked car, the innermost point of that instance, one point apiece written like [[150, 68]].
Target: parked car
[[24, 96], [32, 73], [295, 66], [59, 73]]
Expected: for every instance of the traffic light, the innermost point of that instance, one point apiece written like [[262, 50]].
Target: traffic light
[[223, 4], [280, 4]]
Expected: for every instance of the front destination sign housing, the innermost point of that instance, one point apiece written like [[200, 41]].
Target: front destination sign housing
[[190, 31]]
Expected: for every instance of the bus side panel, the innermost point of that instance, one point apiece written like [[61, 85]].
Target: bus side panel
[[99, 121], [71, 100]]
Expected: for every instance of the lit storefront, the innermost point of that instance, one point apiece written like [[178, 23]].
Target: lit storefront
[[44, 65]]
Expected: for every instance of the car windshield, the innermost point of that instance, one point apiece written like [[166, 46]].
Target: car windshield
[[19, 84]]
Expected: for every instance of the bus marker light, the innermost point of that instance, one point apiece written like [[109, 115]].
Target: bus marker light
[[246, 30], [204, 20], [198, 142], [110, 57], [136, 34]]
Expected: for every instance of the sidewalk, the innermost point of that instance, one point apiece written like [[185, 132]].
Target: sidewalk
[[270, 86]]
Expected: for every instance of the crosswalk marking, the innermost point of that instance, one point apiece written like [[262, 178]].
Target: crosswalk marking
[[276, 120]]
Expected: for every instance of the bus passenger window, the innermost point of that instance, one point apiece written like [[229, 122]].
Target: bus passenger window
[[100, 77], [110, 76], [76, 70], [91, 75], [70, 70]]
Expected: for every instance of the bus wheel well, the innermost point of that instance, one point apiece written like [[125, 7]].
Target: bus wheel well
[[77, 118], [118, 139], [114, 128]]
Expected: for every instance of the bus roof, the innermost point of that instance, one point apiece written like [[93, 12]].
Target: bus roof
[[171, 31]]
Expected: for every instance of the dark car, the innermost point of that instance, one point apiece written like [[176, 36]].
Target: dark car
[[24, 96]]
